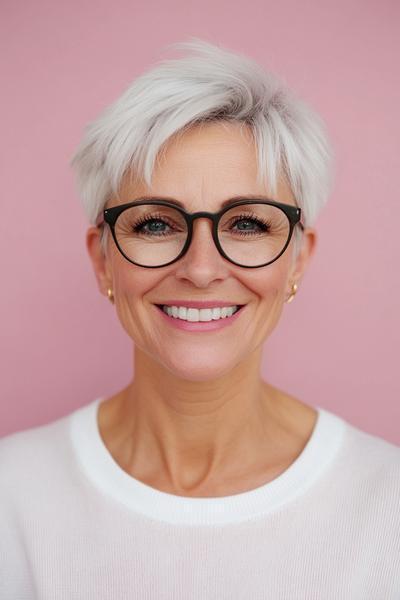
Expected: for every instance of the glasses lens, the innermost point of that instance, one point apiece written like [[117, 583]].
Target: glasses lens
[[253, 234], [151, 235]]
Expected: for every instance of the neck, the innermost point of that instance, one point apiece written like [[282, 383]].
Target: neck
[[190, 434]]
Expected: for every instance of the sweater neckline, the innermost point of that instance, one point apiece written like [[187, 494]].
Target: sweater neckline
[[101, 469]]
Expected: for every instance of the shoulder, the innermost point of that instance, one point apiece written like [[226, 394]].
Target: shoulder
[[38, 435], [370, 467], [372, 449], [27, 454]]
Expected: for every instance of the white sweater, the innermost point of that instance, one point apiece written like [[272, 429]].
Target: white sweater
[[74, 525]]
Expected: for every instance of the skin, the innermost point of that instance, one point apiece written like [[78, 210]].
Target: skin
[[197, 419]]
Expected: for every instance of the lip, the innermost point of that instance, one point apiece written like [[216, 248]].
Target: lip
[[199, 303], [200, 325]]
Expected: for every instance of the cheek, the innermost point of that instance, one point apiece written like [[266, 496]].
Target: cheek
[[269, 284], [135, 288], [130, 281], [269, 288], [130, 284]]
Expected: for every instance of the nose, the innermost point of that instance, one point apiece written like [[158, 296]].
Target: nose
[[202, 262]]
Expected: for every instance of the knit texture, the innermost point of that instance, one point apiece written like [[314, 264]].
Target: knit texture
[[74, 525]]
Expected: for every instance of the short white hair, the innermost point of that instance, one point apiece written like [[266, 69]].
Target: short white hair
[[209, 84]]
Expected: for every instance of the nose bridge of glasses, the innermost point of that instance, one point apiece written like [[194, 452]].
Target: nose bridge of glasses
[[199, 216], [202, 217]]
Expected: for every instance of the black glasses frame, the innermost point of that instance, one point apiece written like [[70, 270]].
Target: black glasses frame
[[110, 216]]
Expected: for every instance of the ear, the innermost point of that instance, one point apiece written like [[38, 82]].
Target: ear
[[101, 264], [308, 243]]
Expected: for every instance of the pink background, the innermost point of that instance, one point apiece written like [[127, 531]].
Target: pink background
[[337, 345]]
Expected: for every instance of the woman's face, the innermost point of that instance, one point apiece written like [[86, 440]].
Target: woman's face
[[201, 168]]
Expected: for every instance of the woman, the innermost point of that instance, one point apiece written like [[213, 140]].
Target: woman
[[200, 479]]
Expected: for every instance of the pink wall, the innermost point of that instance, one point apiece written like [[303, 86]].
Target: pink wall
[[337, 345]]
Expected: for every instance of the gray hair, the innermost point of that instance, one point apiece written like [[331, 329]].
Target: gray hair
[[209, 84]]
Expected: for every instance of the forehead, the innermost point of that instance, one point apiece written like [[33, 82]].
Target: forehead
[[205, 165]]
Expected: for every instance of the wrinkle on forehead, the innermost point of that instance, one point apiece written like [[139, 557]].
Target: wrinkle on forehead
[[196, 177]]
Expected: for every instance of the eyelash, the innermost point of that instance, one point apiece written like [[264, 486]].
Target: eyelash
[[265, 225], [147, 219]]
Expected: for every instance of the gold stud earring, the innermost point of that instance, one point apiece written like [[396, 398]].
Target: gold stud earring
[[292, 295], [110, 295]]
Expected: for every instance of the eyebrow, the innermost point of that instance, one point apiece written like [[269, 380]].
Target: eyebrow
[[223, 205]]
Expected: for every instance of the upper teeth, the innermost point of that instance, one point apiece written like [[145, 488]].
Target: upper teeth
[[202, 314]]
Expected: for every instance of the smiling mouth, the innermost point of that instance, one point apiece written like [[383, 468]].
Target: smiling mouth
[[194, 316]]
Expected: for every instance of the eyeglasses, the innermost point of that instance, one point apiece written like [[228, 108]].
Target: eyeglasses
[[157, 233]]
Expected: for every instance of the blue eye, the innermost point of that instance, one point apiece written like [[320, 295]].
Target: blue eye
[[149, 223], [259, 223], [153, 225]]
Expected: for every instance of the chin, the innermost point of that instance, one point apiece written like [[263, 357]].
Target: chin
[[196, 369]]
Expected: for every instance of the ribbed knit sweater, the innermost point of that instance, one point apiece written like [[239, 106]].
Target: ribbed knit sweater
[[75, 525]]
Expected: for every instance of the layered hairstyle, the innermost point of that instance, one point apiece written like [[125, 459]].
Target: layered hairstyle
[[208, 83]]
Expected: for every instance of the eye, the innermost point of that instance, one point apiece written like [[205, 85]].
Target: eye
[[154, 225], [251, 221], [149, 222]]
